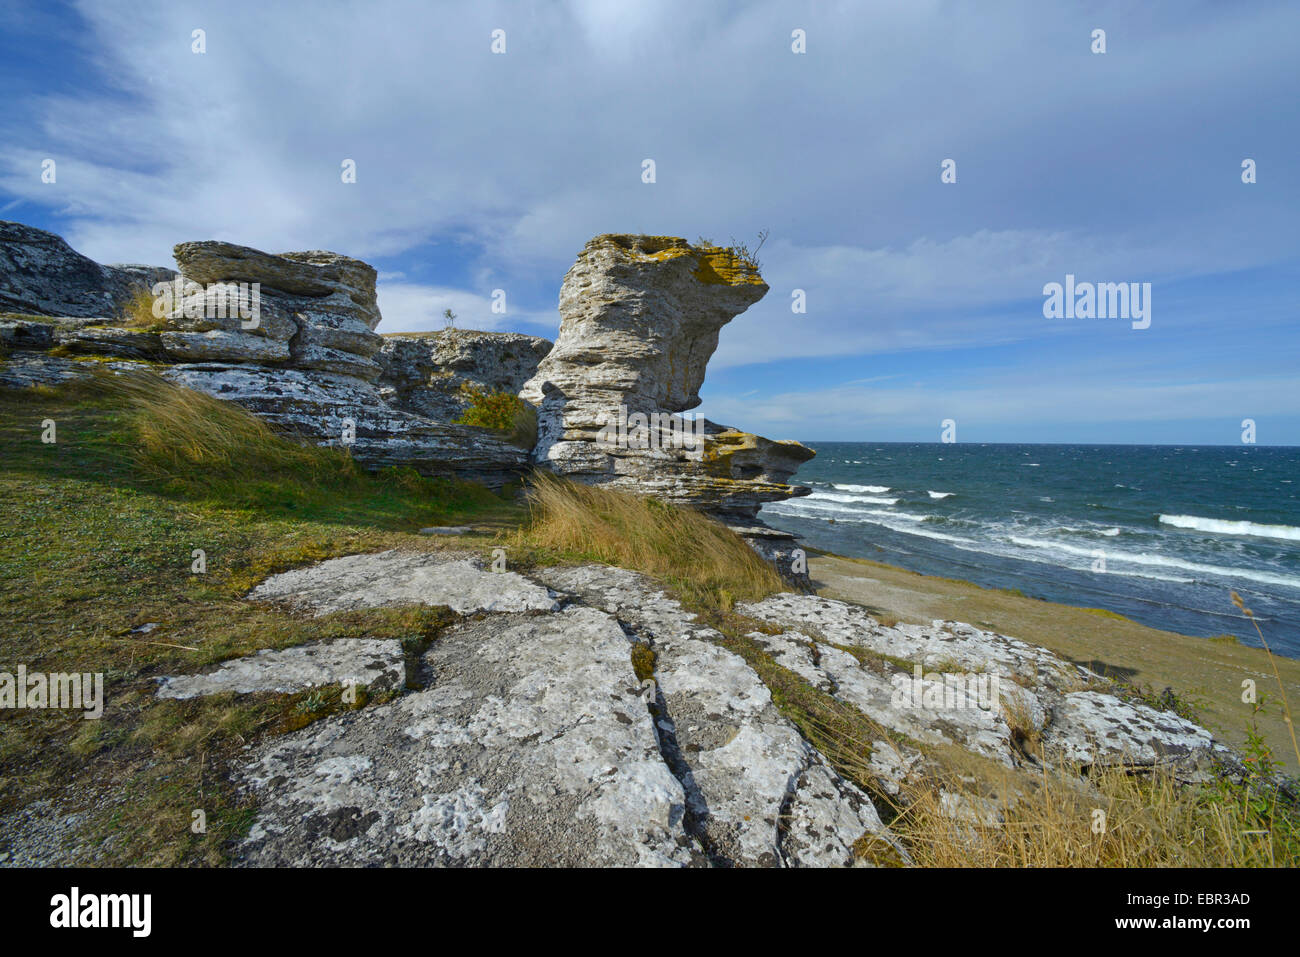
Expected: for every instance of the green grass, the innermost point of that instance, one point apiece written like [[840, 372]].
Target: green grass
[[97, 537], [98, 534]]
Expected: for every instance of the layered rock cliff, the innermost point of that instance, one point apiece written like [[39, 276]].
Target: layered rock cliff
[[640, 317], [299, 350], [292, 338]]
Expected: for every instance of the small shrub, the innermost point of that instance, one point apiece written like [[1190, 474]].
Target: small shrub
[[501, 412]]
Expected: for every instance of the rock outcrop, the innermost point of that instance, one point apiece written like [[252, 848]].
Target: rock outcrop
[[299, 349], [291, 337], [427, 373], [328, 298], [40, 274], [580, 716], [640, 317]]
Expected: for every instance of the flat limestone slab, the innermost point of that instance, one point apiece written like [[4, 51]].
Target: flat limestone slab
[[532, 747], [377, 663], [393, 577], [757, 793]]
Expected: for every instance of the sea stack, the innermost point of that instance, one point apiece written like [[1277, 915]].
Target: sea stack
[[640, 317]]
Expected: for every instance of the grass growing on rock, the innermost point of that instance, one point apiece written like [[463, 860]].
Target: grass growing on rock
[[98, 537], [137, 312], [709, 565]]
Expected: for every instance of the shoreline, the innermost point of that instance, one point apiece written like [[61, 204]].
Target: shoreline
[[1203, 671]]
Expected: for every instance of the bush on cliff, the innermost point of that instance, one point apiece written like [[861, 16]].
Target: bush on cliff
[[502, 412], [704, 561]]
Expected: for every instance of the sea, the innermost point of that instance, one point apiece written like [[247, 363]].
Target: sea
[[1161, 534]]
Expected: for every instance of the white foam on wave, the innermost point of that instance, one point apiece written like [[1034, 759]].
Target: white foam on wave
[[939, 494], [812, 504], [873, 489], [894, 521], [1218, 526], [1160, 561], [865, 499]]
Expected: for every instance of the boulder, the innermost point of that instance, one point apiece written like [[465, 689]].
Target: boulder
[[640, 317], [329, 298]]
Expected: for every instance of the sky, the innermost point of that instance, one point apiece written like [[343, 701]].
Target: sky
[[924, 299]]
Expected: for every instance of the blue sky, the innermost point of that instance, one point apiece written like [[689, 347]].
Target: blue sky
[[478, 171]]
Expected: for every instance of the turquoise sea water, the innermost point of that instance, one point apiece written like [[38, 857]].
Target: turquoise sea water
[[1175, 528]]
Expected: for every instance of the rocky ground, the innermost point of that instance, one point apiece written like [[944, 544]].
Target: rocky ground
[[580, 716]]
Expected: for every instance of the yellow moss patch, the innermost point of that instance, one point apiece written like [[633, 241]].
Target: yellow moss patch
[[721, 266], [716, 265]]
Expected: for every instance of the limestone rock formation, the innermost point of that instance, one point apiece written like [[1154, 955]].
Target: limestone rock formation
[[640, 317], [326, 407], [308, 364], [40, 274], [330, 299], [425, 373]]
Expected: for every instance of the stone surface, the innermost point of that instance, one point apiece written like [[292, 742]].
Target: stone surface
[[640, 317], [220, 346], [371, 662], [37, 333], [895, 699], [41, 274], [425, 373], [231, 307], [109, 341], [22, 370], [1091, 727], [757, 793], [318, 406], [1078, 715], [400, 578], [531, 748]]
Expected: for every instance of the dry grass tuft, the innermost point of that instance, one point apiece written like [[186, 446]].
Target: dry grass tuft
[[1110, 818], [707, 563], [137, 311], [181, 432]]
